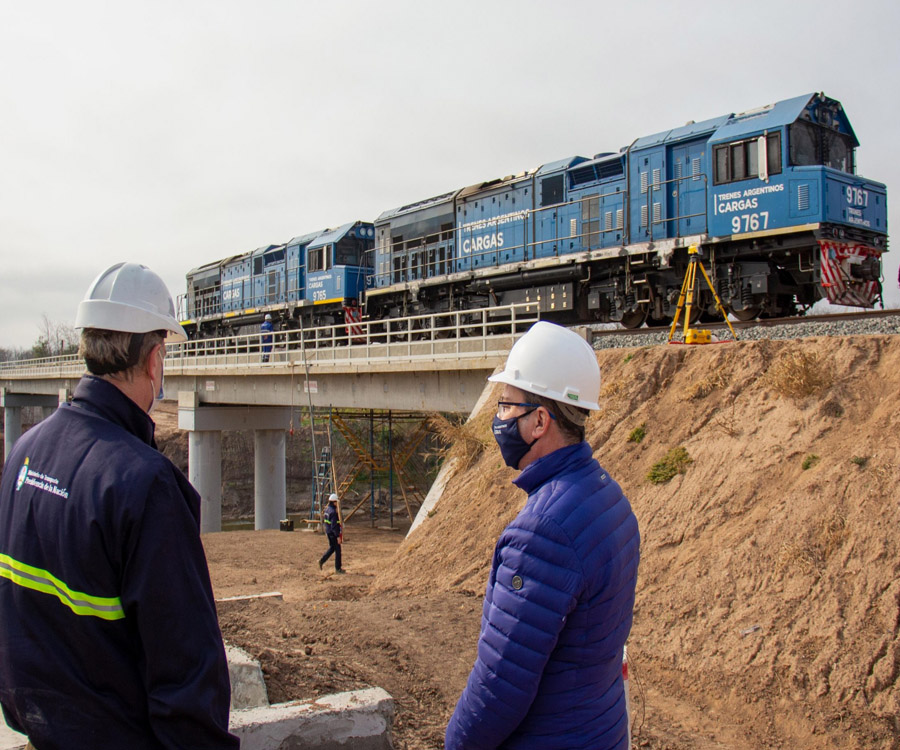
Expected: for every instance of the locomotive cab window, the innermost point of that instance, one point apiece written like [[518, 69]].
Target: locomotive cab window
[[349, 251], [741, 160], [812, 145], [319, 259]]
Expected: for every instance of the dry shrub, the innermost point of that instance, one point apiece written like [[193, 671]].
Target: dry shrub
[[811, 553], [464, 442], [612, 399], [715, 380], [612, 389], [799, 374], [727, 422]]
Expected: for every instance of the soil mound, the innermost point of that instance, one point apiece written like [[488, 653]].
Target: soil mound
[[769, 586]]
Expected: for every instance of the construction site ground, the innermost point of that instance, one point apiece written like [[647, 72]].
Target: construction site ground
[[768, 598]]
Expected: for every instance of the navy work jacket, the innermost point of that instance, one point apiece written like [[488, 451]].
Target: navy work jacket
[[108, 636], [557, 611], [331, 521]]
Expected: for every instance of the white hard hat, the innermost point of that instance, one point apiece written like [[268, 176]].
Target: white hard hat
[[332, 498], [268, 317], [131, 298], [556, 363]]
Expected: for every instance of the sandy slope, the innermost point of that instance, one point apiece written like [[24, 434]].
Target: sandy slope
[[768, 606]]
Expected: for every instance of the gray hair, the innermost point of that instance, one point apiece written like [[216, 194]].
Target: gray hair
[[570, 419], [108, 352]]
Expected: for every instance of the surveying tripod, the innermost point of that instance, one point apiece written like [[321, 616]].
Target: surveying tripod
[[688, 290]]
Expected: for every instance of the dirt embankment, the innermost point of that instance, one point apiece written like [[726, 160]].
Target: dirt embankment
[[768, 603]]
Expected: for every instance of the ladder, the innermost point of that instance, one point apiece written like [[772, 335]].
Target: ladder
[[323, 483]]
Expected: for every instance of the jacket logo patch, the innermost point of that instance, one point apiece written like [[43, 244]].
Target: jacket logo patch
[[517, 582], [23, 475], [40, 481]]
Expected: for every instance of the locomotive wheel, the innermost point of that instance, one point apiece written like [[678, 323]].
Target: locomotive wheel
[[634, 319], [748, 313]]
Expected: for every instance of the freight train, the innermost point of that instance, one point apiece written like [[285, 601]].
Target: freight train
[[770, 197]]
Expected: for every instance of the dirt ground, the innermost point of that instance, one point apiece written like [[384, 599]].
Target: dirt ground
[[329, 634], [768, 601]]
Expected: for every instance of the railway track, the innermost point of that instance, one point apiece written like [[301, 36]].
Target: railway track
[[880, 321]]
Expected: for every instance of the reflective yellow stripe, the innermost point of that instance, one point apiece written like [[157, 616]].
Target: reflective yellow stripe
[[29, 577]]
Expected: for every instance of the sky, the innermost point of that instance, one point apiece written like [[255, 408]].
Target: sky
[[176, 133]]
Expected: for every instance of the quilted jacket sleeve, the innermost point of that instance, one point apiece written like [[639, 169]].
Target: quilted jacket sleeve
[[534, 585]]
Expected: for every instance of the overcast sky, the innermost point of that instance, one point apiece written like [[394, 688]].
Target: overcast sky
[[178, 133]]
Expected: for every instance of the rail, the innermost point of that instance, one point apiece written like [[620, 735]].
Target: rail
[[445, 336]]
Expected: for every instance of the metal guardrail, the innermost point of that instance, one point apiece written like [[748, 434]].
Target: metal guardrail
[[448, 336]]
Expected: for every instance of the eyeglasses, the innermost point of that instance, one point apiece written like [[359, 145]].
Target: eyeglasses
[[502, 407]]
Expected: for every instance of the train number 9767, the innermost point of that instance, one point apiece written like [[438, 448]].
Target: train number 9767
[[750, 222], [857, 196]]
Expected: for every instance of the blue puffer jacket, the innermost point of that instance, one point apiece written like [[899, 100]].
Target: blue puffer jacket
[[557, 611]]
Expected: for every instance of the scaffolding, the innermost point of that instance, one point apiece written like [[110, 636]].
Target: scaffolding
[[383, 449]]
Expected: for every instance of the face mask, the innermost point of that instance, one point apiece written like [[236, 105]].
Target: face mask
[[160, 394], [512, 445]]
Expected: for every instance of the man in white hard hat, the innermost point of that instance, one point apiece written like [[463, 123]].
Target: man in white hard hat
[[560, 595], [109, 636], [332, 520]]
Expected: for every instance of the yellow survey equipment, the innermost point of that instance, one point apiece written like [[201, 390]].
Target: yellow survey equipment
[[688, 292]]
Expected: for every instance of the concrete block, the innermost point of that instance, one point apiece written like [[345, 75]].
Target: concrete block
[[10, 740], [248, 688], [359, 720], [250, 597]]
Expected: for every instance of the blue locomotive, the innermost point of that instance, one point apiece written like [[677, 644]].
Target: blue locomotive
[[770, 197], [316, 279]]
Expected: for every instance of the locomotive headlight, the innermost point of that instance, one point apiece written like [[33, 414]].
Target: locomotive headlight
[[869, 269]]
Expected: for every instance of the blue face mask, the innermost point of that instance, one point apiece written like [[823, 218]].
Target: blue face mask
[[160, 395], [512, 445]]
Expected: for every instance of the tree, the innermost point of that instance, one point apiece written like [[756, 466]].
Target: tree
[[55, 339]]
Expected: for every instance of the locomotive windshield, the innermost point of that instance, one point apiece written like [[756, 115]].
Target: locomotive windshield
[[812, 144]]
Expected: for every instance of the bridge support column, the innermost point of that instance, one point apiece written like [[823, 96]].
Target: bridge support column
[[205, 473], [12, 428], [270, 485], [12, 404], [205, 425]]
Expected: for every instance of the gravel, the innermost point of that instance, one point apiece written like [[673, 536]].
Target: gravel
[[861, 327]]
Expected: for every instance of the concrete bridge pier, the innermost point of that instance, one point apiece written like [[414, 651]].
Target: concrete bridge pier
[[205, 425], [269, 483], [12, 405], [205, 473]]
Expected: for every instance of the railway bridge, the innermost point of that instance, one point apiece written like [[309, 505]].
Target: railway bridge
[[423, 364]]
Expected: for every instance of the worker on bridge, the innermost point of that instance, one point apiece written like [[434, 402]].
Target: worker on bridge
[[560, 595], [109, 636], [266, 329]]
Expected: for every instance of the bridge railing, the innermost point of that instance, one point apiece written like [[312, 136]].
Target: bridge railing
[[64, 366], [452, 335]]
